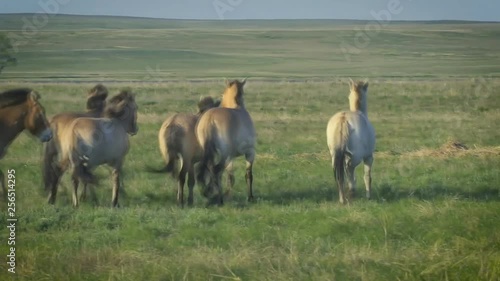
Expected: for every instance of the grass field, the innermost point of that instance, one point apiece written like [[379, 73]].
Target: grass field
[[435, 212]]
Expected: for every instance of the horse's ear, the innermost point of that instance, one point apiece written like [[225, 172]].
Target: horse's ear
[[244, 81], [351, 82], [34, 96], [120, 106], [365, 85]]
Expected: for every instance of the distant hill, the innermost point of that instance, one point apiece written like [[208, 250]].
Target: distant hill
[[66, 21]]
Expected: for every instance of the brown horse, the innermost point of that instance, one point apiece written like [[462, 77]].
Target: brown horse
[[51, 168], [91, 142], [180, 149], [226, 131], [351, 140], [20, 110]]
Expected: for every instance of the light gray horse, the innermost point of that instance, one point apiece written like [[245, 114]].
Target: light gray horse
[[351, 139], [226, 131], [91, 142]]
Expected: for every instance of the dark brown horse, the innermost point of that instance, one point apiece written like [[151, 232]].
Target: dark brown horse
[[19, 110], [52, 169]]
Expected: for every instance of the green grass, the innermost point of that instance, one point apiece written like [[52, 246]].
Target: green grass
[[94, 48], [434, 213]]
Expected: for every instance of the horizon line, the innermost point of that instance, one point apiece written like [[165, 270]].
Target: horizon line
[[256, 19]]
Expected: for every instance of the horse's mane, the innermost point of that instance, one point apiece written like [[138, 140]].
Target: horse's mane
[[111, 108], [357, 100], [233, 94], [231, 83], [98, 90], [358, 86], [206, 103], [96, 98], [14, 97]]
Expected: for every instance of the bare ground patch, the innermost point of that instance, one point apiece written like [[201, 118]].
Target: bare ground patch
[[451, 148]]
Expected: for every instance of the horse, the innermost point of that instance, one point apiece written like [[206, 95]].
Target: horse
[[180, 149], [51, 165], [90, 142], [351, 139], [20, 109], [226, 131]]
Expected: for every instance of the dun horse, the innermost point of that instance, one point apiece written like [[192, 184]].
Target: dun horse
[[226, 131], [52, 169], [91, 142], [20, 110], [180, 149], [351, 139]]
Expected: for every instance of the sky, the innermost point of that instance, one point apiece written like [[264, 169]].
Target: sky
[[482, 10]]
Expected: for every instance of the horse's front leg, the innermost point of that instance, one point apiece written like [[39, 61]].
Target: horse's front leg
[[180, 187], [351, 180], [190, 182], [116, 174]]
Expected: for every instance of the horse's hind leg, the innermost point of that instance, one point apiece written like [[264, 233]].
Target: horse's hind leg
[[220, 193], [368, 175], [83, 195], [340, 185], [219, 197], [180, 187], [250, 156], [93, 194], [76, 182], [230, 178], [56, 175], [116, 186]]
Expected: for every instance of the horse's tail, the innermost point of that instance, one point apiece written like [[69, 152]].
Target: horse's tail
[[81, 170], [51, 169], [341, 137], [170, 139], [172, 167], [207, 162]]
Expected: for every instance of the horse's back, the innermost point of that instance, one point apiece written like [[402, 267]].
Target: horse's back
[[178, 133], [361, 137], [99, 139], [231, 128], [362, 134], [62, 121]]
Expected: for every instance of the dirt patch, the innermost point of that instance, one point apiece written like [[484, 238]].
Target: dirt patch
[[453, 145], [451, 148]]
